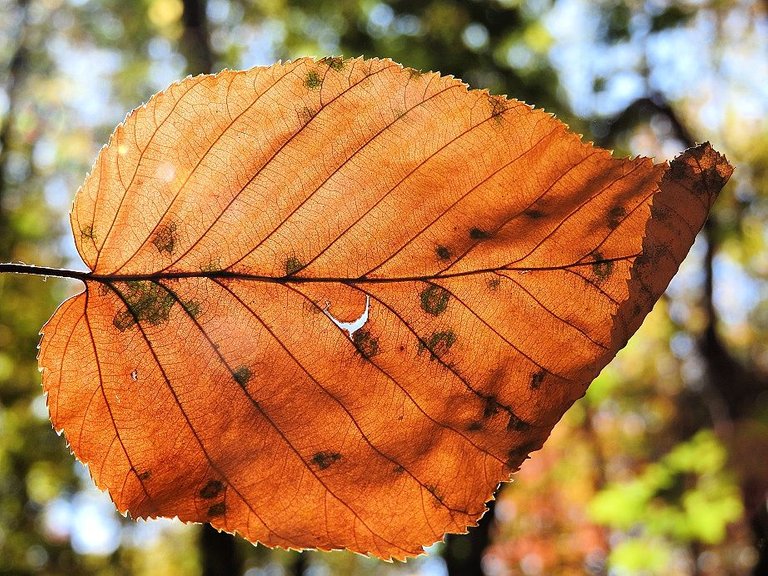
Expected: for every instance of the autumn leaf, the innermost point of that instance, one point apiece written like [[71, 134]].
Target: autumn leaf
[[334, 303]]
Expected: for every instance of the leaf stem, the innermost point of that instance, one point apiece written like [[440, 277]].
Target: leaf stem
[[16, 268]]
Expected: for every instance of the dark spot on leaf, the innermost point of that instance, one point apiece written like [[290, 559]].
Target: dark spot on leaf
[[534, 214], [399, 469], [324, 460], [601, 268], [218, 509], [432, 489], [313, 80], [146, 301], [212, 266], [516, 423], [438, 344], [478, 234], [494, 283], [537, 378], [292, 265], [242, 375], [413, 73], [366, 344], [334, 62], [434, 299], [475, 426], [144, 476], [87, 232], [615, 216], [165, 238], [499, 105], [306, 114], [212, 489], [192, 307], [443, 253], [491, 407]]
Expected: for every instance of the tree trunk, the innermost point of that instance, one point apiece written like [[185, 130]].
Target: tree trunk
[[219, 553], [463, 553]]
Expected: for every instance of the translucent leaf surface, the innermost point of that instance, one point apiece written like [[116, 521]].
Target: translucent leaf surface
[[238, 225]]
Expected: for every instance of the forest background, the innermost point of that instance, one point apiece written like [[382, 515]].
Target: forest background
[[661, 469]]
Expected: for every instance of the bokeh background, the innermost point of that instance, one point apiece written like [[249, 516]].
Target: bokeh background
[[661, 469]]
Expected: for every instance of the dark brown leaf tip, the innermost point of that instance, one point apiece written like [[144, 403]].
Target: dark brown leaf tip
[[704, 167]]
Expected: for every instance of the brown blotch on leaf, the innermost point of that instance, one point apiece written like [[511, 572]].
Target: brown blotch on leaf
[[323, 460], [165, 238], [146, 301], [365, 343], [192, 307], [534, 213], [475, 426], [146, 475], [434, 299], [334, 62], [499, 105], [443, 253], [292, 265], [516, 423], [313, 80], [432, 489], [438, 344], [87, 232], [615, 216], [306, 114], [242, 375], [399, 469], [491, 407], [218, 509], [537, 378], [478, 234], [494, 283], [601, 268], [212, 489]]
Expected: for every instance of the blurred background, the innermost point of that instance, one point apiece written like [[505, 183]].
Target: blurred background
[[661, 469]]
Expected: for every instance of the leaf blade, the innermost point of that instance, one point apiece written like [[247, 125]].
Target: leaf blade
[[505, 263]]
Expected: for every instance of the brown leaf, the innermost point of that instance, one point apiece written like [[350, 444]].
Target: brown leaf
[[237, 224]]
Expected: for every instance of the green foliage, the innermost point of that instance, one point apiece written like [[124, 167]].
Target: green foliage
[[686, 496]]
